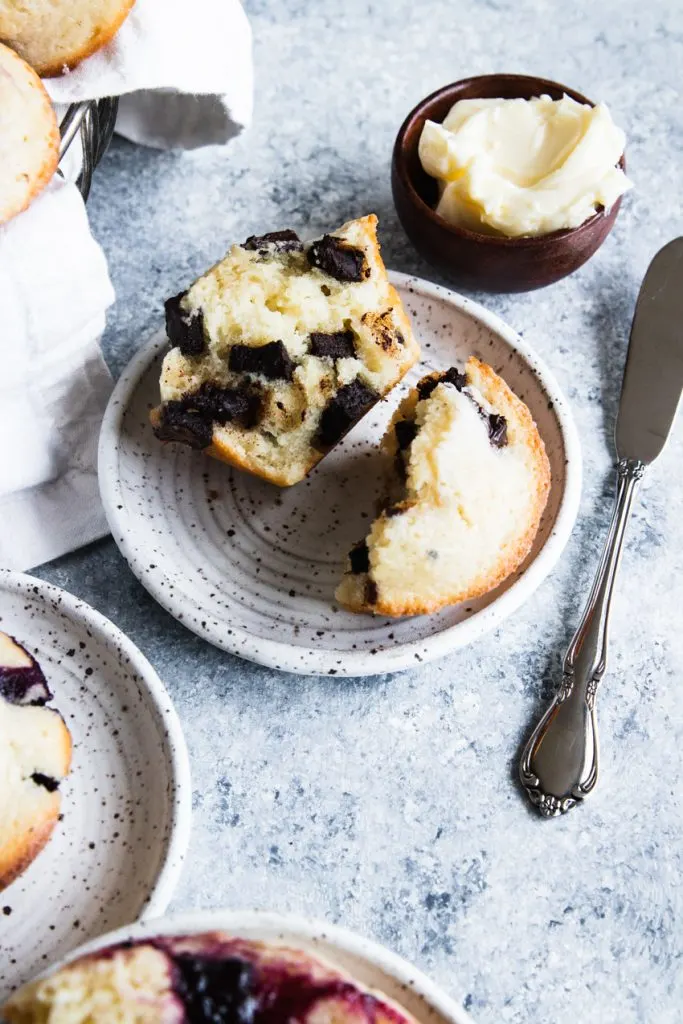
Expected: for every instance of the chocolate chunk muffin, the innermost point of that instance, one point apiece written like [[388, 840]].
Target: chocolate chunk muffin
[[206, 979], [470, 483], [281, 348], [35, 756]]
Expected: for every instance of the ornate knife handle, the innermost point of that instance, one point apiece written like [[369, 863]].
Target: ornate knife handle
[[559, 765]]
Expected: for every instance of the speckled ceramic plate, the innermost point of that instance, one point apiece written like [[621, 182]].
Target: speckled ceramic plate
[[118, 851], [252, 568], [368, 962]]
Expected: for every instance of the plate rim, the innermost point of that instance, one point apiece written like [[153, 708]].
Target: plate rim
[[276, 654], [310, 929], [168, 876]]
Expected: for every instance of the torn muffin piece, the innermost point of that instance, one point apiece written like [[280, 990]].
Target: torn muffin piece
[[470, 483], [281, 348]]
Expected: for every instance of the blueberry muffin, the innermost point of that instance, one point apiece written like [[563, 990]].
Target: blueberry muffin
[[56, 35], [29, 136], [281, 348], [35, 756], [470, 480], [204, 979]]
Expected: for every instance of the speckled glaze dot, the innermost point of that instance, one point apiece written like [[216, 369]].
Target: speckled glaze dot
[[117, 850], [253, 568]]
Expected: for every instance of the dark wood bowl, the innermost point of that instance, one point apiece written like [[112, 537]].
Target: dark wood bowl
[[485, 262]]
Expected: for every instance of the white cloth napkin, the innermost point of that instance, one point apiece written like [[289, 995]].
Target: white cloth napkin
[[182, 68], [54, 290]]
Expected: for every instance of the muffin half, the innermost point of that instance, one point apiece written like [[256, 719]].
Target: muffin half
[[281, 348], [470, 483]]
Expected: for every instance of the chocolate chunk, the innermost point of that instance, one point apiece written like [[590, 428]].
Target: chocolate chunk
[[359, 556], [277, 241], [184, 330], [451, 376], [190, 420], [371, 594], [338, 259], [406, 431], [271, 360], [498, 430], [343, 410], [339, 345], [178, 423], [223, 405], [46, 781], [215, 991]]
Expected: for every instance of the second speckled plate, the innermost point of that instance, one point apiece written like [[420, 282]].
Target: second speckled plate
[[252, 568], [118, 851]]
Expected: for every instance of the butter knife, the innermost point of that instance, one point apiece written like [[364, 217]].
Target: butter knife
[[559, 764]]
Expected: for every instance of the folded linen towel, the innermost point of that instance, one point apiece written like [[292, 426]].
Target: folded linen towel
[[182, 68], [54, 290]]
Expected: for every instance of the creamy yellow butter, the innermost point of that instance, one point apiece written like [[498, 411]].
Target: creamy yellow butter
[[524, 167]]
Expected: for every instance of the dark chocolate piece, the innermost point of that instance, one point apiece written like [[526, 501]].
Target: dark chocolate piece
[[343, 410], [406, 431], [498, 430], [184, 330], [339, 345], [338, 259], [189, 426], [279, 241], [451, 376], [359, 556], [371, 594], [223, 405], [190, 420], [46, 781], [215, 991], [497, 426], [271, 360]]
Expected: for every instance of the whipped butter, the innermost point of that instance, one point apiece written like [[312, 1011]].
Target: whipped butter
[[524, 167]]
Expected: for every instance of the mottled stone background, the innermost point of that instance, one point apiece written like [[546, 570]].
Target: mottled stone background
[[389, 804]]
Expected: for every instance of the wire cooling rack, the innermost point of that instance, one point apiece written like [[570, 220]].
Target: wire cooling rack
[[94, 121]]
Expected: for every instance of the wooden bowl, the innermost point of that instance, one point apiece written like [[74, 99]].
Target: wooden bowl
[[485, 262]]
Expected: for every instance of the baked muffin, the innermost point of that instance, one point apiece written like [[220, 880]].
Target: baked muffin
[[281, 348], [206, 979], [469, 485], [56, 35], [29, 136], [35, 756]]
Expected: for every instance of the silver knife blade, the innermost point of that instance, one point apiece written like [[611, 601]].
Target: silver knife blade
[[653, 377]]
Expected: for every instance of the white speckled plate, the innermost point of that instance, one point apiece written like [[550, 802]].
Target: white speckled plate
[[369, 963], [118, 851], [252, 568]]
